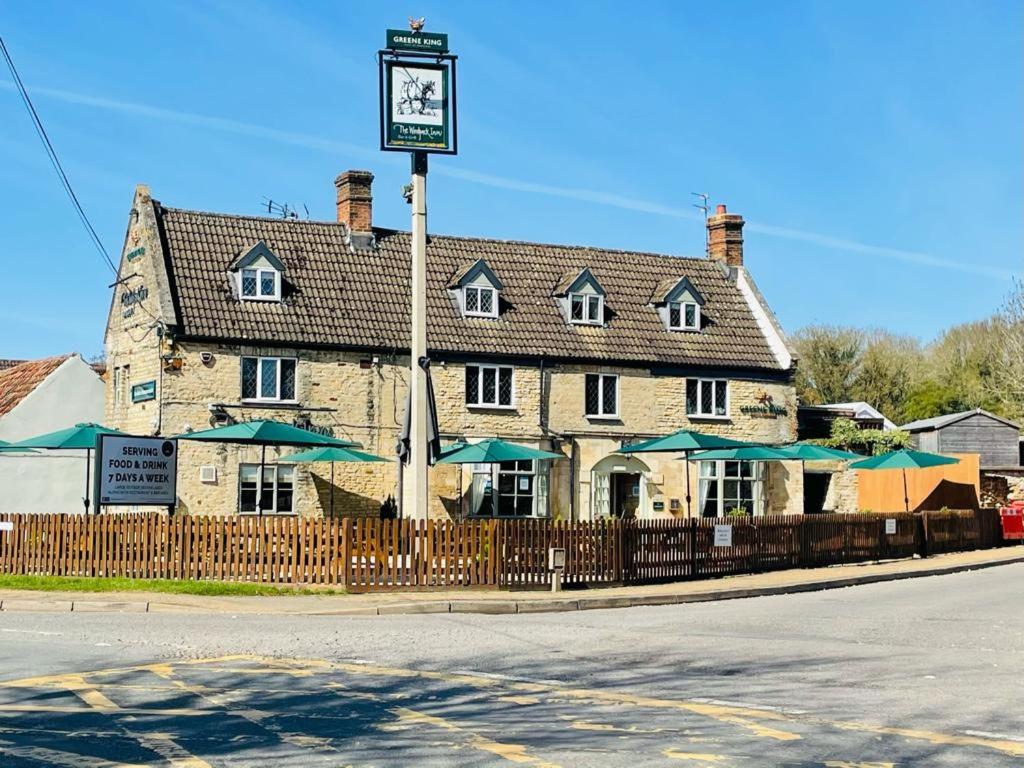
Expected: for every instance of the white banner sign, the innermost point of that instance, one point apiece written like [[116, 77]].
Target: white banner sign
[[723, 535], [137, 470], [890, 525]]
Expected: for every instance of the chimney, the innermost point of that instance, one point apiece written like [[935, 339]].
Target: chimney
[[725, 237], [355, 200]]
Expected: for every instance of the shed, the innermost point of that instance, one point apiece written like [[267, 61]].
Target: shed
[[995, 439]]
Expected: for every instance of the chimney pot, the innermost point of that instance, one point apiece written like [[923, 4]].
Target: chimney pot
[[725, 237], [355, 200]]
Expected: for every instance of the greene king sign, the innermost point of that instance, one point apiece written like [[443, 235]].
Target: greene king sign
[[417, 94]]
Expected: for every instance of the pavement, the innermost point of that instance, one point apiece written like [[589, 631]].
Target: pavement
[[919, 672], [498, 602]]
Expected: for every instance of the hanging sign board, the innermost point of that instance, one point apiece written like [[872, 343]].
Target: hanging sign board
[[890, 526], [417, 94], [403, 40], [723, 535], [137, 470]]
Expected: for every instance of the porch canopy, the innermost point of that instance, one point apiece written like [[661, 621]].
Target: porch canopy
[[263, 433], [492, 452], [904, 459], [332, 454], [77, 438], [686, 442]]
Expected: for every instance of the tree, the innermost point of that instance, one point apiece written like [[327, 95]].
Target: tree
[[828, 358], [1006, 383], [885, 372]]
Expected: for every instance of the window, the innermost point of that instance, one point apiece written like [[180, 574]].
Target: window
[[480, 301], [276, 494], [268, 378], [260, 284], [509, 489], [683, 316], [729, 485], [602, 395], [489, 386], [586, 308], [707, 398], [117, 386]]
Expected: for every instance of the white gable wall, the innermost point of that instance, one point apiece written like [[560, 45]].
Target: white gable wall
[[49, 481]]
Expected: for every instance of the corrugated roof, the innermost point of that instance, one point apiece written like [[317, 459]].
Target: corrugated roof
[[336, 297], [18, 382], [937, 422]]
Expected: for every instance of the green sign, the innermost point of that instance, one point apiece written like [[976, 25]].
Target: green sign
[[403, 40], [144, 391], [417, 106], [135, 253]]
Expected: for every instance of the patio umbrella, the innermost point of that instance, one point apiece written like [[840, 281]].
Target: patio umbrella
[[79, 437], [686, 442], [492, 452], [745, 453], [331, 454], [904, 459], [6, 447], [264, 433], [812, 452]]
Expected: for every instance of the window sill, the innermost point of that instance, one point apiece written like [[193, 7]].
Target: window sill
[[287, 404], [475, 316], [603, 417], [702, 417], [502, 408], [260, 298]]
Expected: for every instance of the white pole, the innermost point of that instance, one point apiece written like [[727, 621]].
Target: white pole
[[416, 481]]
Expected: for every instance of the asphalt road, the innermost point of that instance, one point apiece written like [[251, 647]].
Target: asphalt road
[[926, 672]]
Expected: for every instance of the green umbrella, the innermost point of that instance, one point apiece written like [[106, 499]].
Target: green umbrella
[[6, 447], [812, 452], [79, 437], [904, 459], [687, 442], [492, 452], [332, 454], [264, 433], [744, 453]]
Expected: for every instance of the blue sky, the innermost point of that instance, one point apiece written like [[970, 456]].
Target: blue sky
[[874, 148]]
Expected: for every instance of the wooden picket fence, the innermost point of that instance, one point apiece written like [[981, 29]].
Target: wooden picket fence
[[370, 555]]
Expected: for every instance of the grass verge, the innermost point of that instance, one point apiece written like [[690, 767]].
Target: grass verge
[[118, 584]]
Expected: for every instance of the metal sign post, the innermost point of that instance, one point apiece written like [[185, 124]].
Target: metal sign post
[[417, 115]]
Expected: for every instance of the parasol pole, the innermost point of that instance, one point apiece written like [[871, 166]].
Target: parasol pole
[[906, 496], [332, 489], [686, 465], [85, 499], [259, 485]]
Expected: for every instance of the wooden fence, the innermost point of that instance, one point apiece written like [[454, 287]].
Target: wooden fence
[[371, 555]]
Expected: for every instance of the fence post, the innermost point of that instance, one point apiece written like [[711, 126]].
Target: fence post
[[692, 533]]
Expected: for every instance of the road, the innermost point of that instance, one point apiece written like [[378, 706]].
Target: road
[[925, 672]]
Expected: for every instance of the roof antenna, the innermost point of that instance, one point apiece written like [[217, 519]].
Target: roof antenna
[[283, 210], [703, 206]]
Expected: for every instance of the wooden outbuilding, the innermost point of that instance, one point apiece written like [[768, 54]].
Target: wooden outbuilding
[[995, 439]]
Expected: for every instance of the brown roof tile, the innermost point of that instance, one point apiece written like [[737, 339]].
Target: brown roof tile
[[336, 297], [17, 382]]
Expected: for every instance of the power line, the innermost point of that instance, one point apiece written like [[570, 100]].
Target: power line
[[51, 153]]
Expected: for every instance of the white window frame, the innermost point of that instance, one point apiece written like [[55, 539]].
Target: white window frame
[[705, 477], [604, 413], [259, 380], [698, 414], [497, 386], [259, 295], [589, 317], [466, 311], [682, 325], [539, 471], [277, 469]]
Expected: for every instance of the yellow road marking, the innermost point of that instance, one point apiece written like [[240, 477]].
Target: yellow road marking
[[514, 753], [845, 764], [699, 757]]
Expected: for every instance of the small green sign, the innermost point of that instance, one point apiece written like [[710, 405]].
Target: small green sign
[[144, 391], [403, 40], [135, 253]]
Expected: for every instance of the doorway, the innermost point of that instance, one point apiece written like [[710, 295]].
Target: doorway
[[625, 501], [815, 490]]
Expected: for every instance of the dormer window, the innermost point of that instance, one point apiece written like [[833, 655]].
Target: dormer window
[[581, 298], [683, 316], [480, 301], [262, 284], [586, 308], [678, 303], [475, 290], [258, 273]]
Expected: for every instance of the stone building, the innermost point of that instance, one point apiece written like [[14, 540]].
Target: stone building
[[221, 318]]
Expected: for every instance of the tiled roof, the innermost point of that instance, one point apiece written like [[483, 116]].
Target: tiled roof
[[17, 382], [5, 364], [335, 297]]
